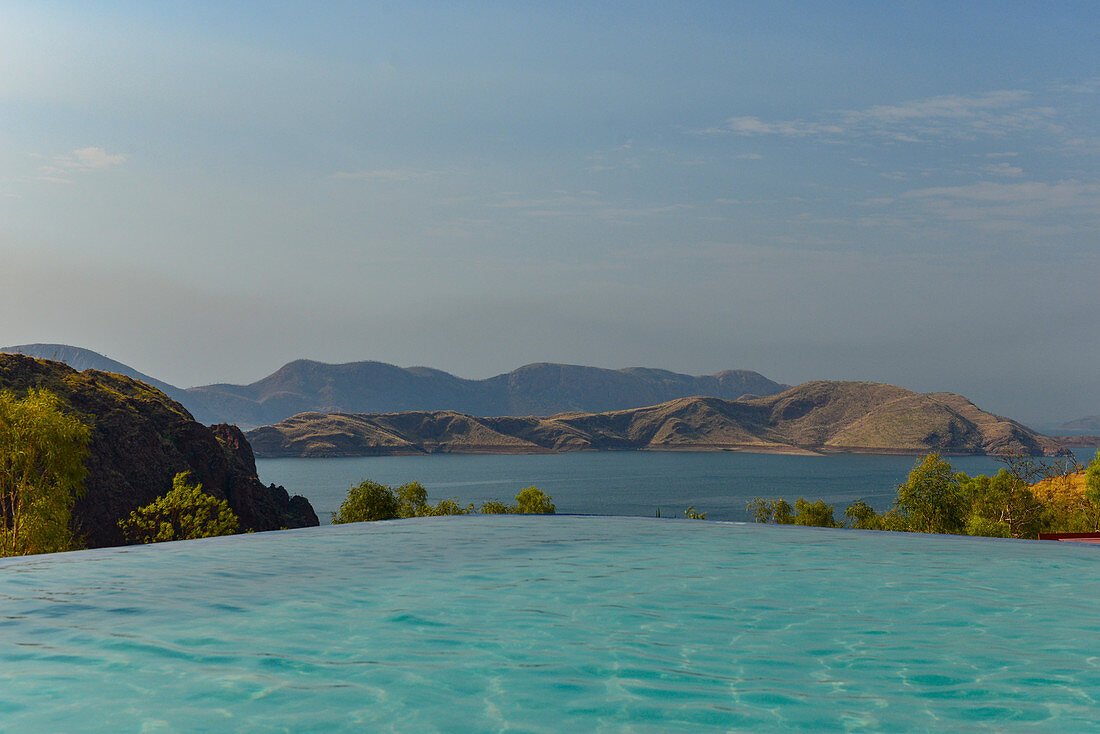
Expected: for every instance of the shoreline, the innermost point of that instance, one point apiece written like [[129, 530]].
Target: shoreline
[[821, 451]]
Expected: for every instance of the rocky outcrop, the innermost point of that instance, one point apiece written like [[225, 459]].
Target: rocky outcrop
[[817, 417], [140, 440]]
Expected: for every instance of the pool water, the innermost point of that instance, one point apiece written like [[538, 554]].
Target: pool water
[[492, 623]]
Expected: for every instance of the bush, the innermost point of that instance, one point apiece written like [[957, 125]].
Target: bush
[[533, 501], [368, 501], [862, 516], [495, 507], [42, 455], [779, 511], [814, 514], [185, 513]]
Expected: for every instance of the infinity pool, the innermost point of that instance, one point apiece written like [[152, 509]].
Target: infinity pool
[[552, 624]]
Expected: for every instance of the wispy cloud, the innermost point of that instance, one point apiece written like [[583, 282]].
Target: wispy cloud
[[386, 175], [82, 160], [1003, 169], [948, 116], [1071, 203]]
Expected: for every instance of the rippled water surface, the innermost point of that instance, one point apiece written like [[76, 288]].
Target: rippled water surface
[[638, 483], [552, 624]]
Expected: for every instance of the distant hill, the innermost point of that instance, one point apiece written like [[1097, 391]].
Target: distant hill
[[537, 389], [1079, 440], [376, 387], [139, 440], [1088, 423], [820, 417]]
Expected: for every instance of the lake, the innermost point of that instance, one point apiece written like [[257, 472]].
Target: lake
[[632, 483]]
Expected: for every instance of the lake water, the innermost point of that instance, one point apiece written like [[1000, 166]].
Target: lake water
[[620, 482], [549, 624]]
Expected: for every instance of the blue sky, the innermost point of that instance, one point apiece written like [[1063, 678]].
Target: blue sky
[[906, 194]]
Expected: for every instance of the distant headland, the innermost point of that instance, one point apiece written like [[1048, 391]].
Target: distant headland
[[817, 417]]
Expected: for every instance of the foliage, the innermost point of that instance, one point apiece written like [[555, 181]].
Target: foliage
[[932, 499], [1002, 506], [533, 501], [691, 514], [1071, 502], [814, 514], [185, 513], [779, 511], [413, 499], [862, 516], [811, 514], [1092, 480], [42, 455], [369, 500], [495, 507]]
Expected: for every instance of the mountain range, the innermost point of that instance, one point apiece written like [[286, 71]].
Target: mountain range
[[816, 417], [375, 387]]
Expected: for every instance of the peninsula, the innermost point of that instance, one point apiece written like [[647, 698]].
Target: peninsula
[[816, 417]]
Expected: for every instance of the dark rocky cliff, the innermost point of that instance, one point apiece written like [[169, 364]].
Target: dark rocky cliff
[[140, 440]]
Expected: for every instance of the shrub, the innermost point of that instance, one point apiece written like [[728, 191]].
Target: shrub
[[185, 513], [495, 507], [862, 516], [814, 514], [368, 501], [533, 501]]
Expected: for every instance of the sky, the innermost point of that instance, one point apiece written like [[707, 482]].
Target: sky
[[904, 193]]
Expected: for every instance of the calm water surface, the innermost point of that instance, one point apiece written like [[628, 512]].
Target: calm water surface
[[620, 483], [550, 624]]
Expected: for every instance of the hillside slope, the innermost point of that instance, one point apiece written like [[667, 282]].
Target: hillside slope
[[819, 417], [85, 359], [140, 440]]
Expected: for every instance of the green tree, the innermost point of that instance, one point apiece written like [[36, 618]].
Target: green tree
[[779, 511], [533, 501], [368, 501], [1002, 506], [932, 499], [1092, 481], [42, 455], [814, 514], [495, 507], [412, 500], [185, 513], [862, 516]]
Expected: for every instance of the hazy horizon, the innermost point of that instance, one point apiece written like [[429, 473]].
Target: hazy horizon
[[901, 194]]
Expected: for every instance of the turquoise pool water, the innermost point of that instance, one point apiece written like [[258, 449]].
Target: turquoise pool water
[[552, 624]]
